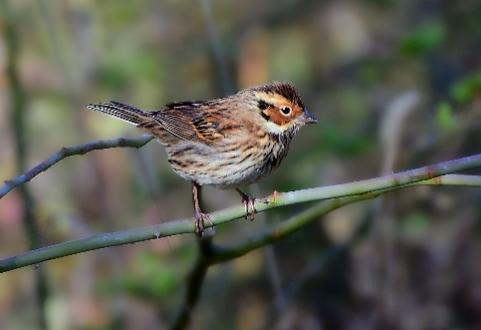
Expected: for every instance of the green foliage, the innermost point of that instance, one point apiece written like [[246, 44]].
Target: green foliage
[[415, 226], [153, 278], [466, 89], [444, 116], [344, 142], [289, 65], [423, 39], [124, 65], [371, 72]]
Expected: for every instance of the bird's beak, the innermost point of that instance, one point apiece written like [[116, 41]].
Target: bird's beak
[[308, 118]]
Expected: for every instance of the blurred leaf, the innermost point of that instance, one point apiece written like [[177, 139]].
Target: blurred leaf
[[415, 226], [345, 143], [110, 75], [290, 57], [466, 89], [153, 279], [370, 73], [444, 116], [126, 65], [423, 39]]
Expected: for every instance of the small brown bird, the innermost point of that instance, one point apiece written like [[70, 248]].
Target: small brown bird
[[225, 142]]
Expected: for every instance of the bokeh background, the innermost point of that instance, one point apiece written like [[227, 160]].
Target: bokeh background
[[395, 84]]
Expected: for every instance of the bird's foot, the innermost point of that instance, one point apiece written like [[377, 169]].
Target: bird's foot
[[200, 219], [249, 203]]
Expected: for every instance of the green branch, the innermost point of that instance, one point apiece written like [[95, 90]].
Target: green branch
[[285, 228], [213, 254], [210, 254], [298, 221], [368, 188]]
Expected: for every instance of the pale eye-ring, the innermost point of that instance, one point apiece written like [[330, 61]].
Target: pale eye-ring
[[286, 111]]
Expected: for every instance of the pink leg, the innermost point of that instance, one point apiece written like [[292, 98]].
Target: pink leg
[[200, 217]]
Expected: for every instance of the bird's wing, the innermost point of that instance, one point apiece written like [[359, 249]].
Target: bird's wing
[[191, 121]]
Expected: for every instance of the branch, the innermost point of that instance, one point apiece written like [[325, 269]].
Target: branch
[[287, 227], [370, 187], [194, 284], [65, 152], [210, 254], [213, 254], [298, 221]]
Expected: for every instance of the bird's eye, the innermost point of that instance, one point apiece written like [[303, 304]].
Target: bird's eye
[[286, 111]]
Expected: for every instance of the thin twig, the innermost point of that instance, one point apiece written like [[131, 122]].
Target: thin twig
[[367, 188], [281, 230], [65, 152]]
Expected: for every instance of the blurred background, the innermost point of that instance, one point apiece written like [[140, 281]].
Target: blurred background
[[395, 84]]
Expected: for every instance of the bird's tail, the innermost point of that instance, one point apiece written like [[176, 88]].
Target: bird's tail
[[121, 111]]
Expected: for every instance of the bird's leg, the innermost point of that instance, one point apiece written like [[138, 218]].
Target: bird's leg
[[249, 203], [200, 217]]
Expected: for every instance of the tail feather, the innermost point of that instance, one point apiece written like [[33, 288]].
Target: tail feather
[[121, 111]]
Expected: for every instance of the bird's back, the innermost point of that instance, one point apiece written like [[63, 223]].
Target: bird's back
[[224, 142]]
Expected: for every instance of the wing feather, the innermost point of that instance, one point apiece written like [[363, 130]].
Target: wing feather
[[190, 121]]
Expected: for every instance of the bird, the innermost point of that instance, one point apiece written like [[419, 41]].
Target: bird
[[226, 142]]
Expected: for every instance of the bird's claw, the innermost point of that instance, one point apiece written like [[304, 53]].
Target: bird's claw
[[200, 219], [249, 203]]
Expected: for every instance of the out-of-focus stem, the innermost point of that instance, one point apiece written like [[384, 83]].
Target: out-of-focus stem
[[17, 120], [194, 284]]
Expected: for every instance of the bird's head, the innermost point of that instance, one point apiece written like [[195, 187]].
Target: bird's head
[[280, 108]]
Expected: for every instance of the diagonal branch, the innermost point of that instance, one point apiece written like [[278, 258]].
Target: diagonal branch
[[296, 222], [285, 228], [213, 254], [65, 152], [219, 254], [368, 188]]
